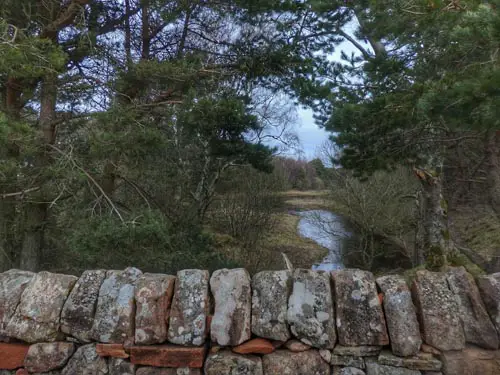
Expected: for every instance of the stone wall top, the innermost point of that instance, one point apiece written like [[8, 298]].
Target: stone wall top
[[276, 322]]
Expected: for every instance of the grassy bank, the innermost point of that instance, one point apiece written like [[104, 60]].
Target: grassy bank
[[284, 238]]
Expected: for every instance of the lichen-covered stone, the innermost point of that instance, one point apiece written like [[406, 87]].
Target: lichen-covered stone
[[349, 361], [44, 357], [37, 318], [190, 308], [478, 328], [153, 295], [227, 363], [373, 368], [421, 361], [310, 309], [120, 366], [85, 361], [77, 316], [471, 361], [284, 362], [347, 371], [401, 316], [12, 285], [360, 319], [231, 321], [114, 316], [489, 288], [437, 311], [271, 290], [357, 351]]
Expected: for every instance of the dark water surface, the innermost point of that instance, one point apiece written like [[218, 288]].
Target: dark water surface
[[328, 230]]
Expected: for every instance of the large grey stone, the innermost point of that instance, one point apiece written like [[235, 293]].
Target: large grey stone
[[437, 311], [228, 363], [471, 361], [347, 371], [400, 315], [77, 316], [271, 290], [114, 316], [44, 357], [373, 368], [190, 307], [357, 351], [12, 285], [310, 309], [153, 296], [85, 361], [37, 317], [119, 366], [231, 321], [284, 362], [360, 319], [489, 287], [421, 361], [478, 328]]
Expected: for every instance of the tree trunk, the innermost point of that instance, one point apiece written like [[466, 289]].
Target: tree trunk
[[433, 235], [7, 214], [33, 236], [36, 213], [493, 154]]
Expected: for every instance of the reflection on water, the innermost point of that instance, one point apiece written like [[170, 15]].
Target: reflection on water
[[328, 230]]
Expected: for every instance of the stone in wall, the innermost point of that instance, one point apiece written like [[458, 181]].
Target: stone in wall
[[310, 309], [12, 355], [360, 319], [227, 363], [373, 368], [167, 371], [114, 316], [231, 321], [255, 346], [12, 285], [478, 328], [471, 361], [190, 307], [401, 316], [489, 287], [347, 371], [111, 350], [37, 317], [270, 293], [168, 356], [85, 361], [437, 311], [357, 351], [284, 362], [421, 362], [349, 361], [44, 357], [77, 316], [119, 366], [153, 295]]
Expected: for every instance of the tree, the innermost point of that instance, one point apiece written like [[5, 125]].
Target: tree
[[405, 103]]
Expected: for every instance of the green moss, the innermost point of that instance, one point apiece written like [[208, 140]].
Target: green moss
[[435, 258], [458, 259], [410, 274]]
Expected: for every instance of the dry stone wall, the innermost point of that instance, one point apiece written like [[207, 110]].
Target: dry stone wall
[[299, 322]]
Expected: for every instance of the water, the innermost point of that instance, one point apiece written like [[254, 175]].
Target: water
[[330, 231]]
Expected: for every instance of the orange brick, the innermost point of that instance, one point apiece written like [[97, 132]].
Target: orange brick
[[12, 355], [255, 346], [168, 356], [111, 350]]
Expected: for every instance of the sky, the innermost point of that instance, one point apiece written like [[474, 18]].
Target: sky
[[310, 135]]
